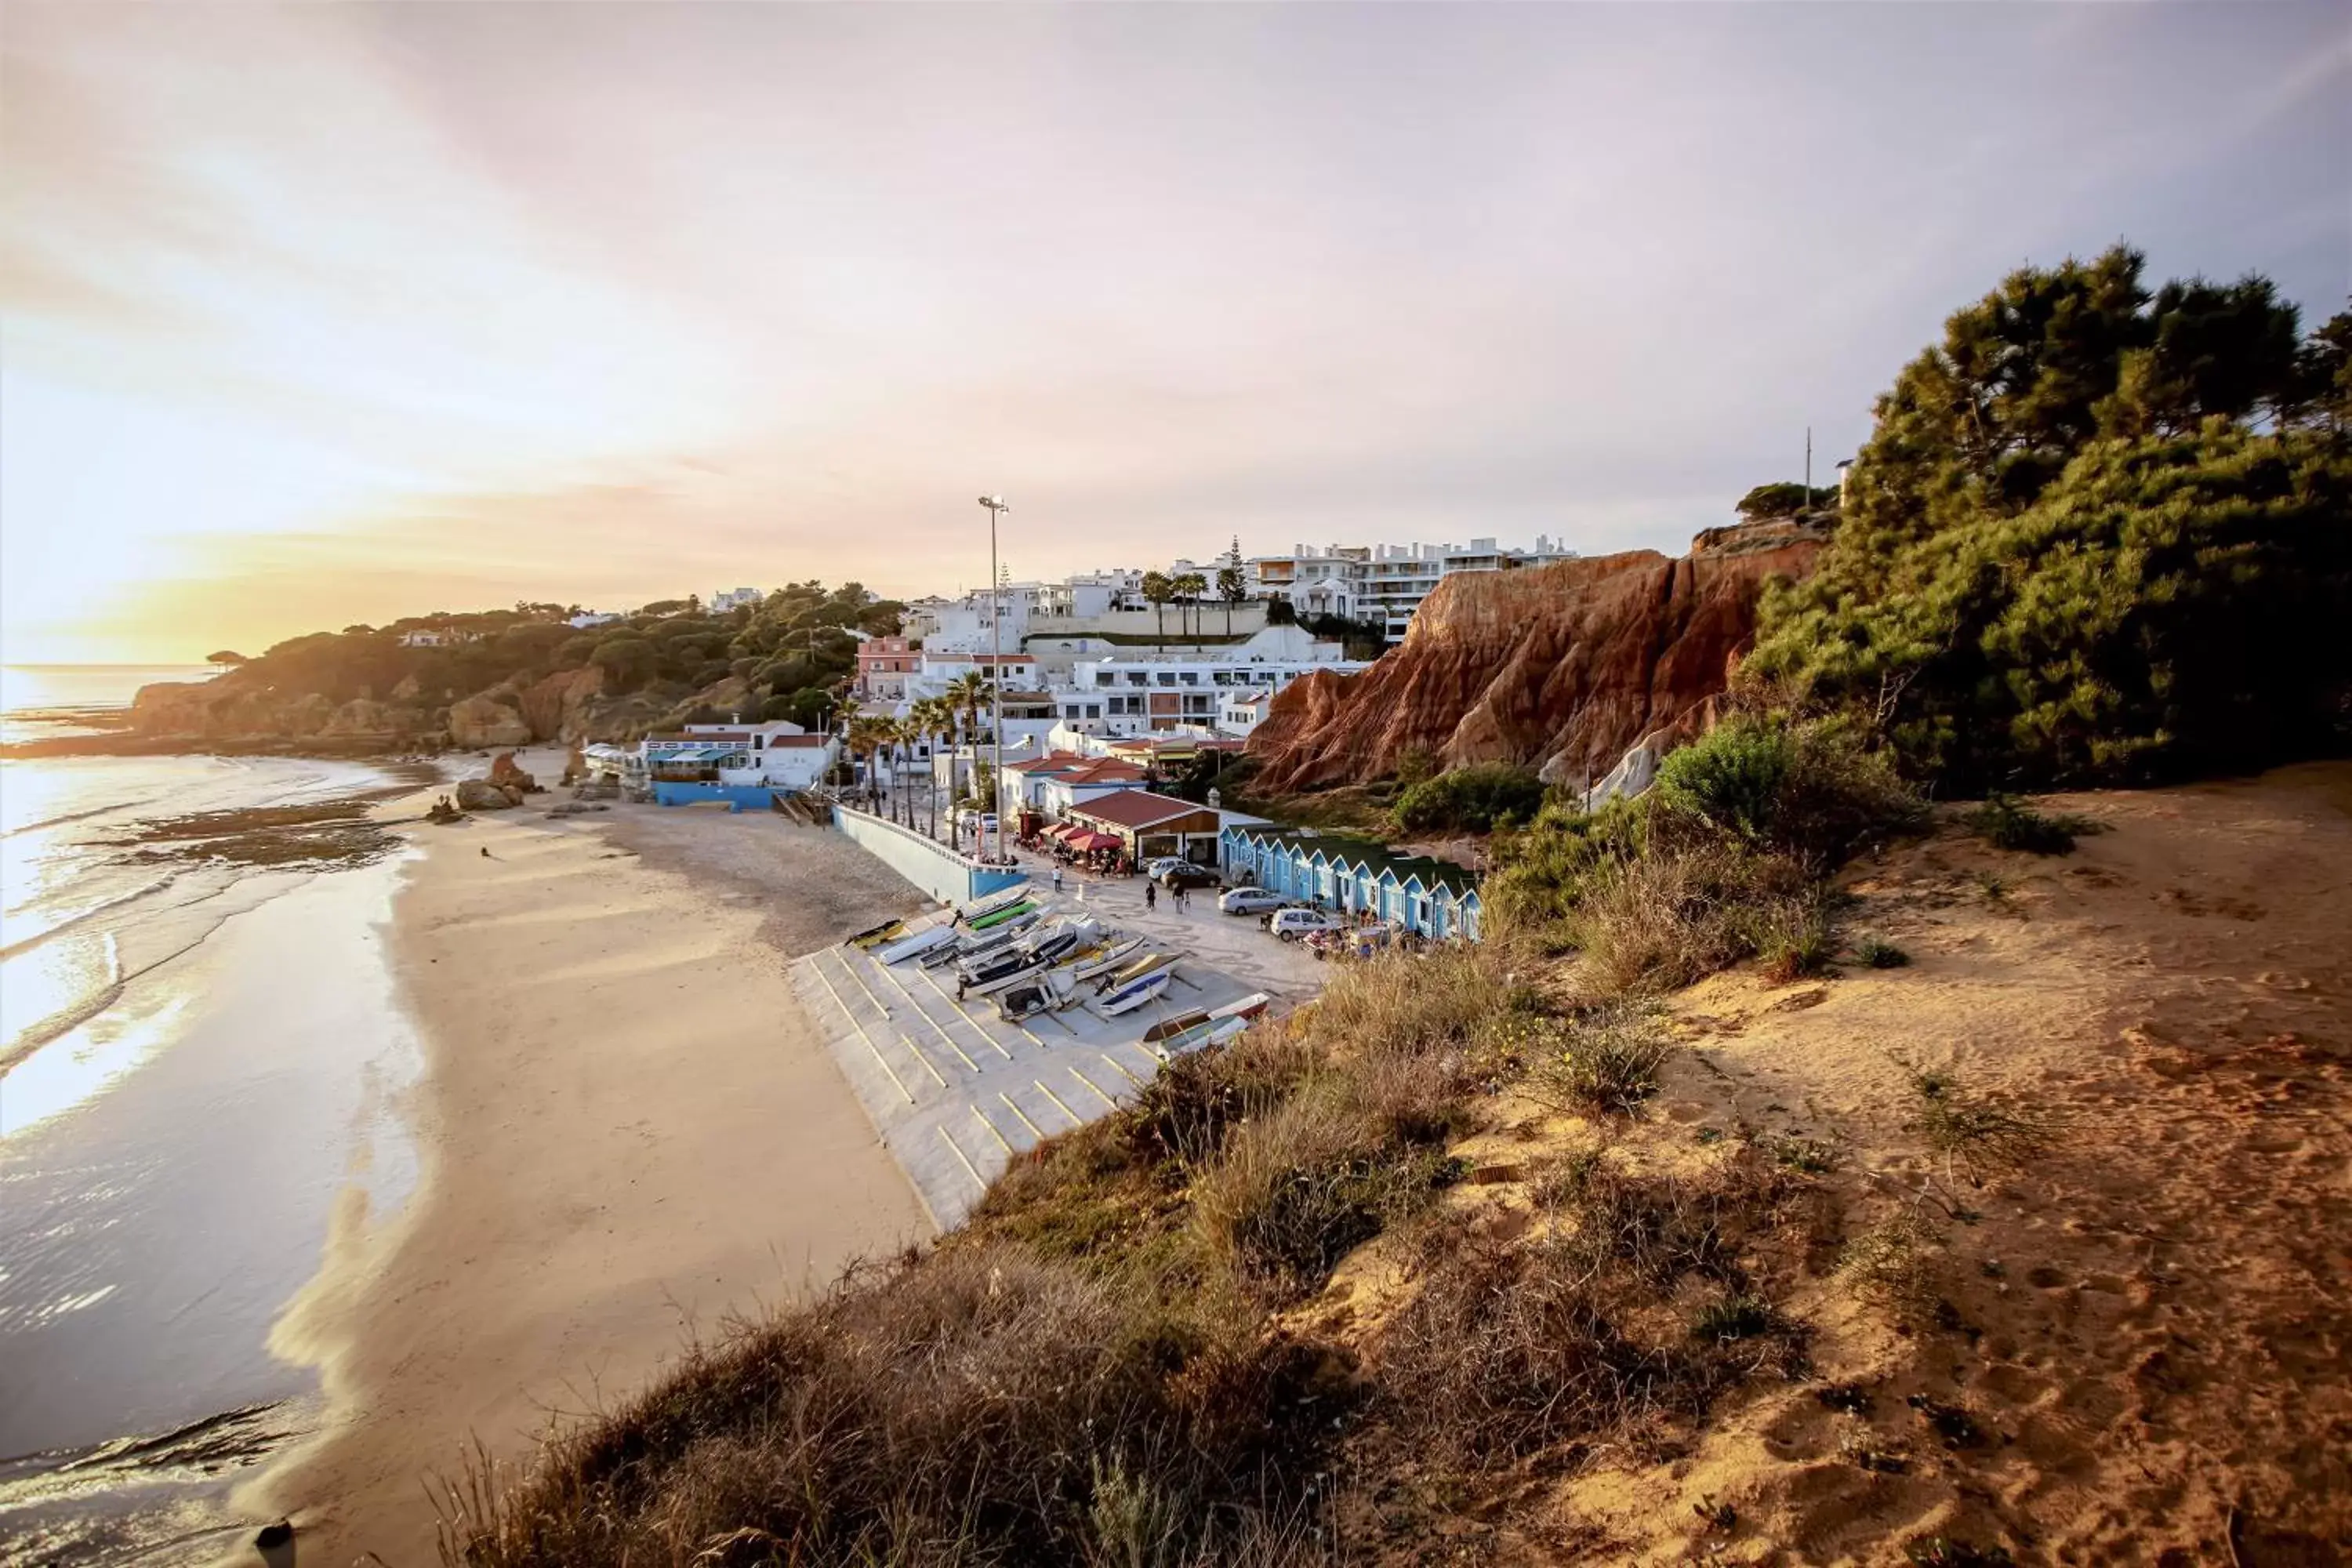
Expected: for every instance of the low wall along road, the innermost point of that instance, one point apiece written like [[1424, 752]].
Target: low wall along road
[[946, 875]]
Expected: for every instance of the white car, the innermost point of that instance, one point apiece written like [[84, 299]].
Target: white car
[[1292, 924], [1250, 901], [1160, 867]]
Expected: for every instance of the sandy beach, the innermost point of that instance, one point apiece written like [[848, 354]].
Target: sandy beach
[[627, 1131]]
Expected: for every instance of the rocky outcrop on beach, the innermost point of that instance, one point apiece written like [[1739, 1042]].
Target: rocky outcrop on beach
[[510, 774], [1562, 667], [481, 795]]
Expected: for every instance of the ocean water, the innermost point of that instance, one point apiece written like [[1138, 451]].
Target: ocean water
[[202, 1056]]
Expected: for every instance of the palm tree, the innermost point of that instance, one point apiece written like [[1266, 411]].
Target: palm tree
[[1232, 587], [1159, 588], [934, 715], [867, 736], [967, 692], [1191, 585]]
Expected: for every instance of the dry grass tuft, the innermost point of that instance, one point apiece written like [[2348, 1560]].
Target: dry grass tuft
[[1899, 1265], [1606, 1059], [1969, 1129], [1511, 1349]]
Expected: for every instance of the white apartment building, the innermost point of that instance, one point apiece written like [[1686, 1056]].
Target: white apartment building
[[1383, 582], [726, 599], [1141, 693]]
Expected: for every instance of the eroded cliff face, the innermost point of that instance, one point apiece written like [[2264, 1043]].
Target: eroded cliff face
[[1561, 667]]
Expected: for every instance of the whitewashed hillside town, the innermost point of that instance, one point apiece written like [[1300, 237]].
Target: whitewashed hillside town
[[1124, 670]]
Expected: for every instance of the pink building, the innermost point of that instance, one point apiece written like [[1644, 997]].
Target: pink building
[[883, 666]]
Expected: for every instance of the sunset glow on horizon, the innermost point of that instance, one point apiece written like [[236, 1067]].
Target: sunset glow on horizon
[[328, 314]]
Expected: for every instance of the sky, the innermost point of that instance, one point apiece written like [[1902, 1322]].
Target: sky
[[338, 313]]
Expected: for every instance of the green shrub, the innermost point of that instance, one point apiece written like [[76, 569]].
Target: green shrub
[[1875, 952], [2006, 823], [1470, 800], [1812, 790]]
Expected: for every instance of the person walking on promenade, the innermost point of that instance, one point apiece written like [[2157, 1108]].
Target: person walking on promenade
[[1057, 878], [1151, 895]]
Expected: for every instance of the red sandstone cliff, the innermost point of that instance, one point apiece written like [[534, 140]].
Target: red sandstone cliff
[[1562, 667]]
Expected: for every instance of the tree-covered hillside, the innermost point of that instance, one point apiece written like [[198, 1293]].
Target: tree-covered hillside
[[794, 651]]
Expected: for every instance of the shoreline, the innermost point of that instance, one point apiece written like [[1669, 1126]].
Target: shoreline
[[628, 1132]]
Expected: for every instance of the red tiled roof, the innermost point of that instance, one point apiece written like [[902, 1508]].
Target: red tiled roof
[[1135, 808], [775, 740], [1105, 771]]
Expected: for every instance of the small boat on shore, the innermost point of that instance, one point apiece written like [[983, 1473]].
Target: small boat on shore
[[1136, 992], [978, 943], [1113, 956], [1143, 963], [995, 918], [1047, 992], [1210, 1032], [875, 936], [1176, 1023], [920, 942], [1246, 1009], [1002, 898]]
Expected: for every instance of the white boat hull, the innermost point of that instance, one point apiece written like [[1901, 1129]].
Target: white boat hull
[[1150, 988], [922, 942]]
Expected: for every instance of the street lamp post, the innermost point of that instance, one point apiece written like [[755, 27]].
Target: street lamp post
[[996, 504]]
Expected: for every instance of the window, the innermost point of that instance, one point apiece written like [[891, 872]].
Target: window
[[1102, 678], [1191, 678]]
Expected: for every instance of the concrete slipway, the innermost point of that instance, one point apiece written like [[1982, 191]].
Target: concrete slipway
[[956, 1092]]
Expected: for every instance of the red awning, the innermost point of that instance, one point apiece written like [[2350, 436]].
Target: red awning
[[1061, 830], [1085, 842]]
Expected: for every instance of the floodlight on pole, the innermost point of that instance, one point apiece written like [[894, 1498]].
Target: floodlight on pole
[[995, 805]]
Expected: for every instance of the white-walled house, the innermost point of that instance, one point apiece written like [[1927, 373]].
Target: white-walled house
[[1244, 710], [778, 755]]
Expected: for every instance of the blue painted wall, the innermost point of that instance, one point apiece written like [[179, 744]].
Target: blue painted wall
[[741, 797]]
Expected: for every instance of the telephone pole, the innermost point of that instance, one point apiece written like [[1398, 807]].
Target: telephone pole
[[995, 805]]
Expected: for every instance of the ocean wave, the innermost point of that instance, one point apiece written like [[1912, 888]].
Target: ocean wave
[[64, 817], [74, 1013], [26, 944]]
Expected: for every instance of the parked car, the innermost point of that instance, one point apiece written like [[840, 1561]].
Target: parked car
[[1160, 865], [1292, 924], [1186, 874], [1250, 901]]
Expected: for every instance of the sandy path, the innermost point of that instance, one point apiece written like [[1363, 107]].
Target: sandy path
[[2151, 1319], [627, 1129]]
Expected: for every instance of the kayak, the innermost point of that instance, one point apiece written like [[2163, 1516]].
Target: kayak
[[873, 936]]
